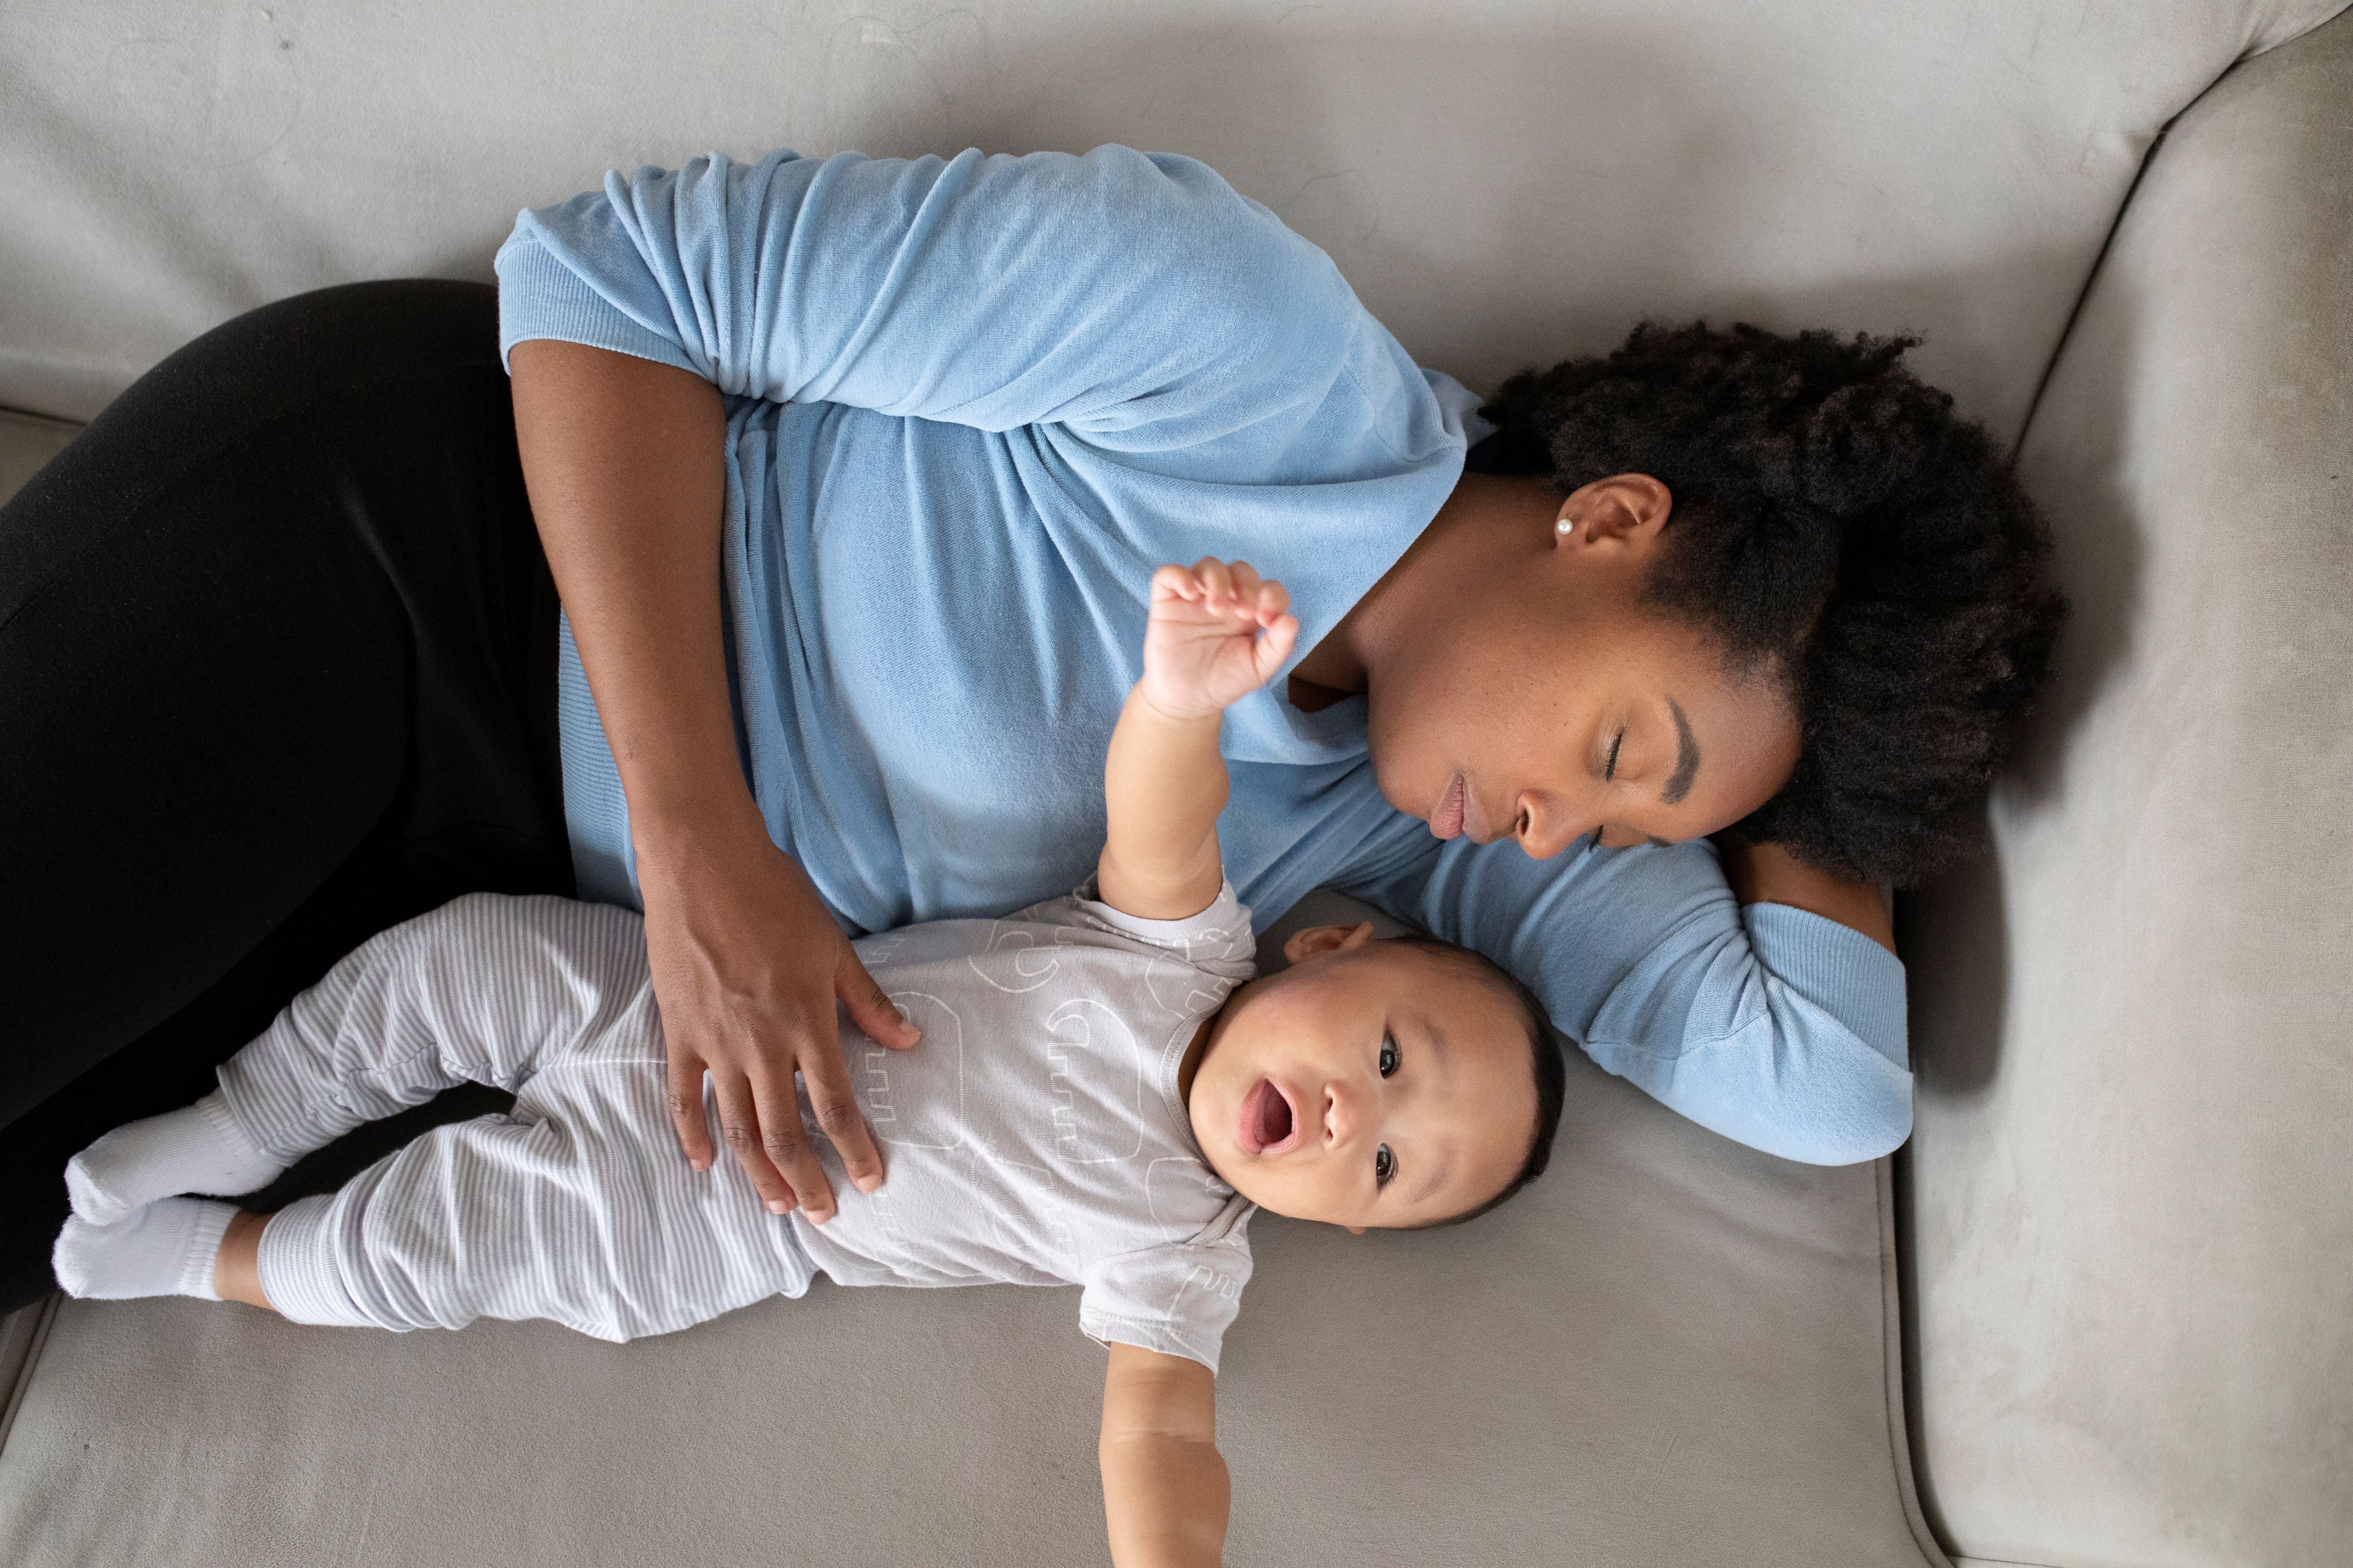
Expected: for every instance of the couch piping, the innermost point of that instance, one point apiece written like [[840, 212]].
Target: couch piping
[[1890, 1339], [24, 1371]]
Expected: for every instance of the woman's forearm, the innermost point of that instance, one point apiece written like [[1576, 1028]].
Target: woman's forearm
[[1768, 874], [624, 460]]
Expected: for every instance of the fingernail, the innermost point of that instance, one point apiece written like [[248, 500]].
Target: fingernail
[[700, 1164], [868, 1183], [816, 1218], [778, 1205]]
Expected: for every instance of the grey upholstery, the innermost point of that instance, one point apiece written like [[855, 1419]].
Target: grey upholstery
[[2132, 1022], [27, 442], [2127, 1194]]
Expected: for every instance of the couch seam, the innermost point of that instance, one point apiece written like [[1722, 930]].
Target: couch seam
[[2099, 265], [2108, 241], [25, 1372], [1891, 1344], [55, 420]]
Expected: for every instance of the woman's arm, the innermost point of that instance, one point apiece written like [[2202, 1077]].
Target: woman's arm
[[1768, 874], [1110, 293], [1779, 1023], [1166, 1490], [623, 460]]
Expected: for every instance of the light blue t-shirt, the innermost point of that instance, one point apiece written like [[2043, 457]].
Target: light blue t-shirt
[[971, 403]]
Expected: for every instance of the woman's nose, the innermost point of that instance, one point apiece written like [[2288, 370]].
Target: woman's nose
[[1544, 829]]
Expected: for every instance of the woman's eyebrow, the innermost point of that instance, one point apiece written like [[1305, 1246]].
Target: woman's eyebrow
[[1679, 783]]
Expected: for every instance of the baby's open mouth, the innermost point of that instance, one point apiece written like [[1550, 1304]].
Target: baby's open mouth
[[1270, 1123]]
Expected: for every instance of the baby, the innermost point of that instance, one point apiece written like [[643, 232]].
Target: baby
[[1099, 1099]]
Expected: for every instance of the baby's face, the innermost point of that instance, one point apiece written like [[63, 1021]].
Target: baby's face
[[1370, 1084]]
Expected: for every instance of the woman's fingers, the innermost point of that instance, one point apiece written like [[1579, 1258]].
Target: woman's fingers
[[749, 1138], [784, 1142], [869, 1006], [838, 1116], [685, 1076]]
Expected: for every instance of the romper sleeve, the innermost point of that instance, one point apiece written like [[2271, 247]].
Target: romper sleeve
[[1135, 297], [1218, 941], [1177, 1299], [1769, 1025]]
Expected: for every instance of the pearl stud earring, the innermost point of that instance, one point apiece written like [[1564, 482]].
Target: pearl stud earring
[[1565, 527]]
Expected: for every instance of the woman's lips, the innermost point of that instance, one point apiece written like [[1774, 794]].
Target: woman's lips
[[1270, 1120], [1458, 812], [1446, 816]]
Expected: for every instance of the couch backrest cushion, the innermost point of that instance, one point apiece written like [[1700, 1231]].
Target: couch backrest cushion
[[1504, 183]]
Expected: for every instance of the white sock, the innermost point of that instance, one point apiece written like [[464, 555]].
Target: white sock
[[199, 1148], [166, 1248]]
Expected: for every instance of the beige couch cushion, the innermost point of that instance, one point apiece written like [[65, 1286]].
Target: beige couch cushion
[[1673, 1350], [1502, 182], [1670, 1349], [2135, 1026], [26, 443]]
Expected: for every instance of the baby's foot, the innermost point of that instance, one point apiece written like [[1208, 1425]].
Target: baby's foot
[[197, 1149], [166, 1249]]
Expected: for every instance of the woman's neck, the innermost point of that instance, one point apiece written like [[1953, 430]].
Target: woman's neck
[[1460, 546]]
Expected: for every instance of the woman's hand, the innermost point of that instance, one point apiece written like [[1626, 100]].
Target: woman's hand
[[747, 968], [626, 461]]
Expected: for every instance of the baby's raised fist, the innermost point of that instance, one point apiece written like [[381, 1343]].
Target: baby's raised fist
[[1216, 632]]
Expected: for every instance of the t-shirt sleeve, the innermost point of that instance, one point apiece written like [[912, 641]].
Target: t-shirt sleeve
[[1177, 1299], [1136, 298], [1218, 941]]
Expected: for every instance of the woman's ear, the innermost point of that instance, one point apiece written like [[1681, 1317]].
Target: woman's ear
[[1622, 511], [1309, 941]]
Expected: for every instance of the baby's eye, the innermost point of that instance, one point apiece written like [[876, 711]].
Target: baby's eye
[[1388, 1055], [1384, 1166]]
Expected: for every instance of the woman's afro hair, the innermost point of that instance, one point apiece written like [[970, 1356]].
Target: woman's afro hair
[[1836, 525]]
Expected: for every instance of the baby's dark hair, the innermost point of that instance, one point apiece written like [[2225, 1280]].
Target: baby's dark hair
[[1836, 525], [1544, 1056]]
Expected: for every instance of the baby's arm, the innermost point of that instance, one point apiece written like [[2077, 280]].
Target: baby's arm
[[1217, 633], [1164, 1489]]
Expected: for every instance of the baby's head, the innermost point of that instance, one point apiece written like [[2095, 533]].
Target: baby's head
[[1386, 1084]]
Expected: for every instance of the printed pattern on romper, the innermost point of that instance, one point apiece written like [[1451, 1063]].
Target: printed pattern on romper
[[1036, 1135]]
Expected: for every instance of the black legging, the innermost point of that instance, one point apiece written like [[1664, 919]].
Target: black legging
[[276, 670]]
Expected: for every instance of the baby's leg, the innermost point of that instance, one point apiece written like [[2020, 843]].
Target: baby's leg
[[479, 990], [575, 1208]]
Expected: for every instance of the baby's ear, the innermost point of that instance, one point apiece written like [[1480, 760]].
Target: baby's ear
[[1309, 941]]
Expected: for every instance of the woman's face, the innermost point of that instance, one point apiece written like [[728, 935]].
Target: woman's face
[[1537, 698]]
